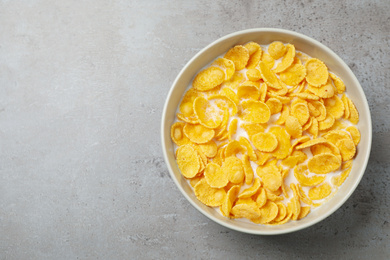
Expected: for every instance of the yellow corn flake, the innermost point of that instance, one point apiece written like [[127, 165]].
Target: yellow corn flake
[[334, 106], [229, 93], [198, 133], [255, 58], [317, 109], [316, 72], [219, 131], [267, 169], [193, 119], [347, 149], [308, 181], [286, 219], [233, 147], [275, 105], [327, 123], [209, 149], [186, 105], [304, 212], [326, 147], [296, 205], [208, 115], [226, 65], [293, 75], [301, 112], [265, 142], [283, 149], [248, 171], [252, 47], [201, 156], [283, 115], [283, 99], [247, 209], [177, 134], [287, 60], [209, 196], [222, 102], [311, 143], [336, 135], [232, 128], [267, 213], [260, 197], [293, 127], [239, 55], [188, 161], [300, 155], [320, 192], [268, 60], [277, 50], [323, 91], [237, 78], [214, 176], [324, 163], [233, 168], [248, 92], [291, 161], [300, 140], [354, 114], [313, 129], [346, 165], [195, 180], [347, 113], [355, 134], [231, 196], [282, 212], [249, 192], [252, 129], [340, 179], [308, 124], [208, 79], [249, 149], [255, 111], [339, 84], [253, 74], [272, 181], [263, 92], [269, 76], [278, 92], [262, 157]]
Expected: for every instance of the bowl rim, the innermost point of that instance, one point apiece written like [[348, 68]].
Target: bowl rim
[[293, 228]]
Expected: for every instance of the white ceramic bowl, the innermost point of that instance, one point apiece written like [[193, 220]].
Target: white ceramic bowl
[[306, 45]]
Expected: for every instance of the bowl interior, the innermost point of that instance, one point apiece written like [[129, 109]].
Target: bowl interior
[[308, 46]]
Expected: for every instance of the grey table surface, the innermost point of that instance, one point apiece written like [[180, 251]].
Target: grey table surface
[[82, 87]]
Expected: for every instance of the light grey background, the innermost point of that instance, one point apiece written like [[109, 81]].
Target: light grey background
[[82, 86]]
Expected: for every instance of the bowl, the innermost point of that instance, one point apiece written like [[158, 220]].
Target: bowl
[[302, 43]]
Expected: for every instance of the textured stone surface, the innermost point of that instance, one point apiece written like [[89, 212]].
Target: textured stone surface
[[82, 86]]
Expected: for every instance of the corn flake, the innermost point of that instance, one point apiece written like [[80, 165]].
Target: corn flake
[[316, 72], [209, 196], [255, 111], [188, 161], [265, 142], [229, 200], [355, 134], [324, 163], [198, 133], [320, 192], [239, 55], [293, 127], [208, 79], [287, 60]]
